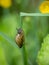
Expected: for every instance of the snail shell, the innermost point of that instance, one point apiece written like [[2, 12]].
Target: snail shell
[[20, 38]]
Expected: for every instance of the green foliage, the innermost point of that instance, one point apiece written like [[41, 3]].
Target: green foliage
[[2, 56], [35, 29], [43, 54], [7, 38]]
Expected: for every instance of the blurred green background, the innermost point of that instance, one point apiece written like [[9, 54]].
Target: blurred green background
[[35, 29]]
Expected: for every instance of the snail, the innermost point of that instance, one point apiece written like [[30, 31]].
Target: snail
[[20, 37]]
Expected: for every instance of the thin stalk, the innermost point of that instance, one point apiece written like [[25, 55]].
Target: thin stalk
[[23, 49], [24, 55], [8, 39]]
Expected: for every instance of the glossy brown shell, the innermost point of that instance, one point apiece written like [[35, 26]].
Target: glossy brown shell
[[20, 39]]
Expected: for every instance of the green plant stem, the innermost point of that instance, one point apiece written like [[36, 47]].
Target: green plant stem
[[23, 49], [24, 55], [8, 39]]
